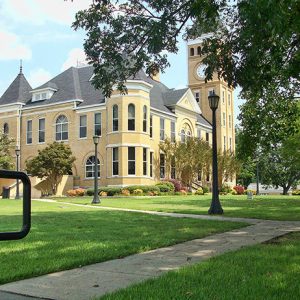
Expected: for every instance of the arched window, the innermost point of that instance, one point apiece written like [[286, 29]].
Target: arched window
[[198, 50], [192, 52], [115, 118], [131, 117], [188, 135], [145, 118], [5, 128], [182, 136], [61, 126], [90, 167]]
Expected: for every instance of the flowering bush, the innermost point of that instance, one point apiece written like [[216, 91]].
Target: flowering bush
[[234, 192], [177, 184], [183, 192], [80, 192], [125, 192], [239, 189], [71, 193], [296, 192], [138, 192]]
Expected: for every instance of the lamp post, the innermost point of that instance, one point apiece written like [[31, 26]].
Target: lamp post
[[257, 178], [17, 150], [96, 196], [215, 206]]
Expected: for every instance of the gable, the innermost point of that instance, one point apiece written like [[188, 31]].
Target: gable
[[189, 102]]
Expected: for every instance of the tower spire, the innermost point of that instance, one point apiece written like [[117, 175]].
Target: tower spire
[[21, 67]]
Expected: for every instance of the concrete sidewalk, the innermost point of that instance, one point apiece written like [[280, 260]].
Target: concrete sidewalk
[[99, 279]]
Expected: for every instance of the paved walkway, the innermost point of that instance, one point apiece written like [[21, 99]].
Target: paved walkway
[[99, 279]]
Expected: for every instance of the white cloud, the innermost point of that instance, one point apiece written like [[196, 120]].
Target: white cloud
[[38, 77], [75, 57], [12, 47], [38, 12]]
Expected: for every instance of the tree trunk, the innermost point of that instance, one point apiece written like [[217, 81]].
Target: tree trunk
[[286, 189]]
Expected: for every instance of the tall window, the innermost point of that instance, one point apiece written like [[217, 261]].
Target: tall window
[[90, 167], [144, 161], [162, 165], [62, 128], [115, 161], [173, 170], [192, 51], [207, 137], [199, 133], [151, 164], [162, 129], [230, 144], [41, 130], [224, 119], [131, 160], [145, 118], [5, 128], [224, 143], [151, 126], [82, 127], [229, 99], [29, 132], [131, 117], [115, 118], [197, 96], [173, 134], [229, 121], [199, 50], [97, 124], [223, 97]]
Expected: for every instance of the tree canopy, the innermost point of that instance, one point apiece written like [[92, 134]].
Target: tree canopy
[[51, 163], [253, 42], [6, 145]]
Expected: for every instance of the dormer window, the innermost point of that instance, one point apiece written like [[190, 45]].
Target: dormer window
[[42, 94]]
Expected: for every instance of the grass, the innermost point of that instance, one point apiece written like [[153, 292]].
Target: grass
[[261, 207], [266, 271], [64, 236]]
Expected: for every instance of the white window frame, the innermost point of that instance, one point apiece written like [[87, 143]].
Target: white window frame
[[92, 164], [80, 126], [161, 129], [115, 160], [97, 124], [39, 130], [60, 125], [29, 132], [115, 119], [130, 160], [145, 116]]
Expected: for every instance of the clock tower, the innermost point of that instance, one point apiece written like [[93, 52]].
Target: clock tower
[[201, 90]]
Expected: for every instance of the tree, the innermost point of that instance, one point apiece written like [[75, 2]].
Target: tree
[[228, 166], [281, 166], [6, 145], [51, 163], [253, 42]]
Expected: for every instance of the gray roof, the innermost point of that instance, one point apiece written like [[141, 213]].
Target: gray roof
[[75, 83], [18, 91], [203, 121]]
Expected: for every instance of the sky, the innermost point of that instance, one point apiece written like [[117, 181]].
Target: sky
[[39, 32]]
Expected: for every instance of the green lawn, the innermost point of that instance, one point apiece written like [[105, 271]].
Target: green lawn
[[261, 207], [266, 271], [64, 236]]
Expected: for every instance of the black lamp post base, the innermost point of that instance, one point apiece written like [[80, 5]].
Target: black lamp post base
[[96, 200]]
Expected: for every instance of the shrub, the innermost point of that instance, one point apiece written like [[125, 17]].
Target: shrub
[[71, 193], [90, 192], [177, 184], [296, 192], [163, 188], [111, 191], [234, 192], [225, 189], [239, 189], [252, 191], [125, 192], [80, 192], [199, 191], [205, 189], [138, 192], [169, 184], [103, 194], [144, 188]]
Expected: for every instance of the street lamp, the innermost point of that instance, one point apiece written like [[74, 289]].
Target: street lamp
[[215, 206], [17, 150], [96, 196]]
